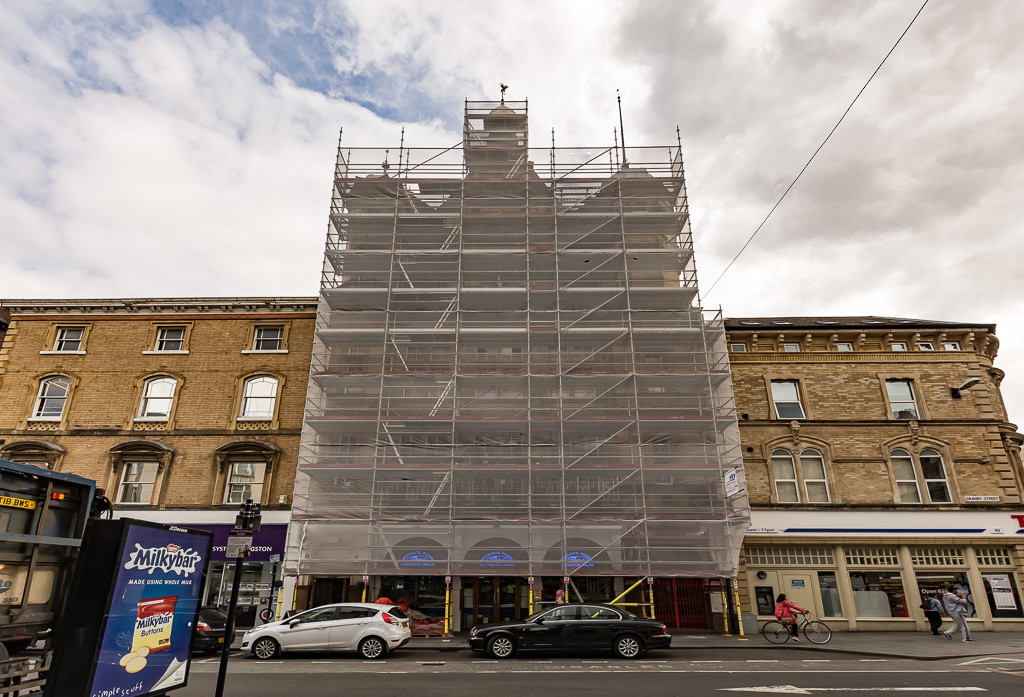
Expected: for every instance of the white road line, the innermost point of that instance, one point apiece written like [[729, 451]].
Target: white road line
[[794, 690], [762, 660]]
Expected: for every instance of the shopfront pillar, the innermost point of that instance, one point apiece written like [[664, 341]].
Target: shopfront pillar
[[912, 589], [977, 584], [845, 589]]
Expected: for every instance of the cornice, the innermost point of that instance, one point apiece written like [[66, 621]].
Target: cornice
[[854, 357], [160, 306]]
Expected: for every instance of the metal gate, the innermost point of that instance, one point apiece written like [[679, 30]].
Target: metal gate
[[682, 603]]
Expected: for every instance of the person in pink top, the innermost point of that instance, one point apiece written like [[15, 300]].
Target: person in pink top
[[784, 611]]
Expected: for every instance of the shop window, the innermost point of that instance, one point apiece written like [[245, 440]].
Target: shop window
[[786, 398], [937, 556], [935, 582], [157, 398], [993, 556], [789, 556], [52, 398], [828, 585], [878, 594], [259, 397], [137, 482], [901, 399], [872, 556], [245, 481], [1002, 593]]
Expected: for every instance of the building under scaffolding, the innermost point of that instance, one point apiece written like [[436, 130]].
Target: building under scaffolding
[[512, 377]]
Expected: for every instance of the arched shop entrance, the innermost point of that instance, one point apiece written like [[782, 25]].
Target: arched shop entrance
[[501, 591], [422, 597]]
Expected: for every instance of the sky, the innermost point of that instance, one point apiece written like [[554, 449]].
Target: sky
[[186, 147]]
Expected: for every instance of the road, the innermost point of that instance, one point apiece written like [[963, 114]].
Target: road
[[662, 674]]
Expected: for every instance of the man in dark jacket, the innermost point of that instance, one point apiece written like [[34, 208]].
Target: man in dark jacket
[[933, 611]]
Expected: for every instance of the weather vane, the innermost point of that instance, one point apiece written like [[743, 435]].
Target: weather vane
[[503, 88]]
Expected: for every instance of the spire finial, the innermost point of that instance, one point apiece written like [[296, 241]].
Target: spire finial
[[503, 88]]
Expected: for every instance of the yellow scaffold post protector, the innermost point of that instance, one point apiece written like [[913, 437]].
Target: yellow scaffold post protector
[[447, 605], [650, 592], [366, 584], [739, 610], [531, 596], [725, 609]]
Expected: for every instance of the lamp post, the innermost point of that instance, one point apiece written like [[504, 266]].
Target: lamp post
[[247, 522]]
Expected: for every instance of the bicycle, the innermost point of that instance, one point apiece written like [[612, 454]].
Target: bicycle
[[815, 631]]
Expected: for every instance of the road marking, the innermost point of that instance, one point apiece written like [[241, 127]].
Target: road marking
[[430, 663], [873, 660], [817, 660], [990, 659], [762, 660], [794, 690]]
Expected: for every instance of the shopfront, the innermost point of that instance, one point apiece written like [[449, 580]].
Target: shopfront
[[859, 576]]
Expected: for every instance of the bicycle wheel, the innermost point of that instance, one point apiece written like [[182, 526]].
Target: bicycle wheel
[[775, 632], [817, 632]]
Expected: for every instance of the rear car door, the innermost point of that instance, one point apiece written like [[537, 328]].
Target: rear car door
[[310, 630], [349, 626], [594, 628]]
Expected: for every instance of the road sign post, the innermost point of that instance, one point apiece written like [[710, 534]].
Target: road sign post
[[247, 522]]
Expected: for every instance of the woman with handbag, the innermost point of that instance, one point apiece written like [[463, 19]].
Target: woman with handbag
[[784, 613]]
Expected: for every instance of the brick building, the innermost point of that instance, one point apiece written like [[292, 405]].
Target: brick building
[[179, 409], [880, 465]]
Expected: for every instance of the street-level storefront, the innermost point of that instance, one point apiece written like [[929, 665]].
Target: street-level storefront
[[261, 571], [868, 571]]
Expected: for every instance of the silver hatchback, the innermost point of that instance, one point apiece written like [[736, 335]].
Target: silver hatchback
[[368, 628]]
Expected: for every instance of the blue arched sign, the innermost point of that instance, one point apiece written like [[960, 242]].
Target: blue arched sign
[[577, 560], [418, 558], [497, 559]]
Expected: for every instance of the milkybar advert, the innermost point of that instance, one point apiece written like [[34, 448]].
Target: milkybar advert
[[148, 633]]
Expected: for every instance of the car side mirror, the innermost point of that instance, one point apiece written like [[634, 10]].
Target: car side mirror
[[292, 623]]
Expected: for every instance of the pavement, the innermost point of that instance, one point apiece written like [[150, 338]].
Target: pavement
[[922, 646]]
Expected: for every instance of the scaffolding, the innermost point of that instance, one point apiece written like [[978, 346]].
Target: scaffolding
[[511, 372]]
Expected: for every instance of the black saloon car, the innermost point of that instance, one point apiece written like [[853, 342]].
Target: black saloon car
[[586, 627], [210, 628]]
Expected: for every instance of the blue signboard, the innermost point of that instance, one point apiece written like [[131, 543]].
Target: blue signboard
[[147, 637]]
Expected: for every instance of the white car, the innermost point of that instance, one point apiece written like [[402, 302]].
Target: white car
[[372, 630]]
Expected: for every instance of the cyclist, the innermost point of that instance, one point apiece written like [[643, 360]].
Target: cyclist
[[784, 613]]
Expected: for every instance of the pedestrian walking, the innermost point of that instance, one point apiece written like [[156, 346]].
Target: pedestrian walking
[[784, 613], [956, 607], [933, 611], [559, 597]]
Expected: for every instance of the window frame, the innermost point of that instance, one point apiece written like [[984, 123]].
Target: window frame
[[791, 347], [954, 344], [921, 346], [125, 465], [799, 482], [59, 337], [903, 346], [804, 478], [44, 382], [774, 403], [229, 473], [915, 399], [53, 337], [777, 454], [155, 339], [244, 398], [844, 350], [141, 413], [254, 337], [248, 451], [738, 347], [925, 481]]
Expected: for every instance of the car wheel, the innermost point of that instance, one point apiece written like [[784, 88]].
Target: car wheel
[[266, 648], [501, 646], [628, 646], [372, 648]]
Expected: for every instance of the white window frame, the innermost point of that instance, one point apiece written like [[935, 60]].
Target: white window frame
[[42, 398], [944, 479], [904, 454], [925, 346], [148, 399], [893, 408], [782, 455], [257, 338], [776, 402], [60, 337], [791, 347], [823, 480], [898, 346], [738, 347], [254, 485], [844, 346], [951, 346], [151, 483], [161, 339], [245, 414]]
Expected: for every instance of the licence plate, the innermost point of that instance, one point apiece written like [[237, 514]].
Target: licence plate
[[17, 503]]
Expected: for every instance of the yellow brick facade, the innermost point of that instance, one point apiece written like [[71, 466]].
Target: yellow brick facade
[[849, 420]]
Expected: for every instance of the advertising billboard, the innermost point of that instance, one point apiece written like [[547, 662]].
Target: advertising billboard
[[142, 643]]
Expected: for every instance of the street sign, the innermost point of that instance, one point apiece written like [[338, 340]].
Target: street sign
[[531, 580], [448, 579], [238, 541]]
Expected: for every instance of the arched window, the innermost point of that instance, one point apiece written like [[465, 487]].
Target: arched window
[[258, 397], [906, 476], [793, 476], [934, 472], [784, 472], [53, 397], [812, 469], [157, 398]]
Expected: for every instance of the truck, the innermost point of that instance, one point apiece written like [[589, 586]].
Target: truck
[[42, 520]]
